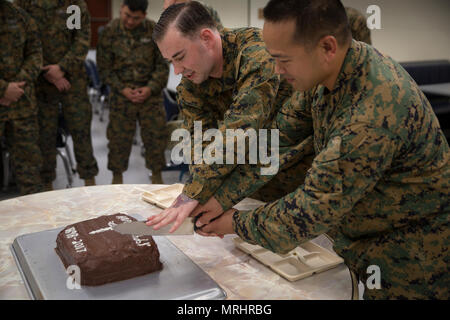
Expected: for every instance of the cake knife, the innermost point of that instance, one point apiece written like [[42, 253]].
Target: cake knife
[[139, 228]]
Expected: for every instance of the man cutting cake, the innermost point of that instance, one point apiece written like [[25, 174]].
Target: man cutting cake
[[379, 184], [229, 83]]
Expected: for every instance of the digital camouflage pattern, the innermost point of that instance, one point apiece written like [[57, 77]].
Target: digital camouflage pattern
[[122, 128], [247, 96], [21, 60], [379, 184], [296, 159], [67, 48], [358, 25], [247, 181], [77, 112], [131, 59]]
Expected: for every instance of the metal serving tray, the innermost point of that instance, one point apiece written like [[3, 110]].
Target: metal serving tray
[[45, 277]]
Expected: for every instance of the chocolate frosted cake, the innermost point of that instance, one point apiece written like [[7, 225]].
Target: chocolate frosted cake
[[104, 255]]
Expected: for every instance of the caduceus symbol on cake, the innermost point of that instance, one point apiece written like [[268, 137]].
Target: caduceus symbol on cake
[[111, 224]]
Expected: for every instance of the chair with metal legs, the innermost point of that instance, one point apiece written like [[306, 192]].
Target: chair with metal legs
[[172, 113], [99, 93]]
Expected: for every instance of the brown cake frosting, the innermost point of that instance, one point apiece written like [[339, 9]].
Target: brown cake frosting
[[104, 255]]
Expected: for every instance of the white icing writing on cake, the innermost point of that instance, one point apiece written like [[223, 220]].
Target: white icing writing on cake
[[141, 242], [111, 224], [124, 218], [72, 233], [79, 246]]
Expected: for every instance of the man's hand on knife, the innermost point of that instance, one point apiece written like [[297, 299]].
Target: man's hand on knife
[[180, 209], [220, 226], [184, 207], [207, 212]]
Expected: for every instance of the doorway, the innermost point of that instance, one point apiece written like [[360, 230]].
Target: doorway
[[101, 12]]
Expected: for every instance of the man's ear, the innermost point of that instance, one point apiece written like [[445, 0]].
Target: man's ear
[[328, 47], [207, 37]]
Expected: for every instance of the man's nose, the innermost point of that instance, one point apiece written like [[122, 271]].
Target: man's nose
[[279, 69], [177, 69]]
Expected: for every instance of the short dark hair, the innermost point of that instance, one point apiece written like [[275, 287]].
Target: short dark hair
[[314, 19], [136, 5], [189, 17]]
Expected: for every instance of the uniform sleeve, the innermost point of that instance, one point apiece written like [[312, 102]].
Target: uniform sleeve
[[76, 55], [247, 179], [192, 110], [105, 62], [32, 64], [252, 106], [342, 174], [294, 124], [192, 107], [160, 75]]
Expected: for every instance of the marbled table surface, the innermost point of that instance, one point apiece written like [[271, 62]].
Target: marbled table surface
[[240, 275]]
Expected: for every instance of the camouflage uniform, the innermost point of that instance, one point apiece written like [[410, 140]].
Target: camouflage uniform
[[21, 60], [379, 185], [358, 25], [130, 58], [68, 49], [296, 159], [248, 95]]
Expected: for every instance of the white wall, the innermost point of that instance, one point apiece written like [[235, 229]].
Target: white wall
[[233, 12], [411, 29]]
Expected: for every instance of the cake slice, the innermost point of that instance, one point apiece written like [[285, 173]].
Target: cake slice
[[104, 255]]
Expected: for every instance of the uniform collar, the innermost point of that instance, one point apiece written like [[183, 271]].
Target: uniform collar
[[329, 104], [229, 51], [352, 66], [139, 29]]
